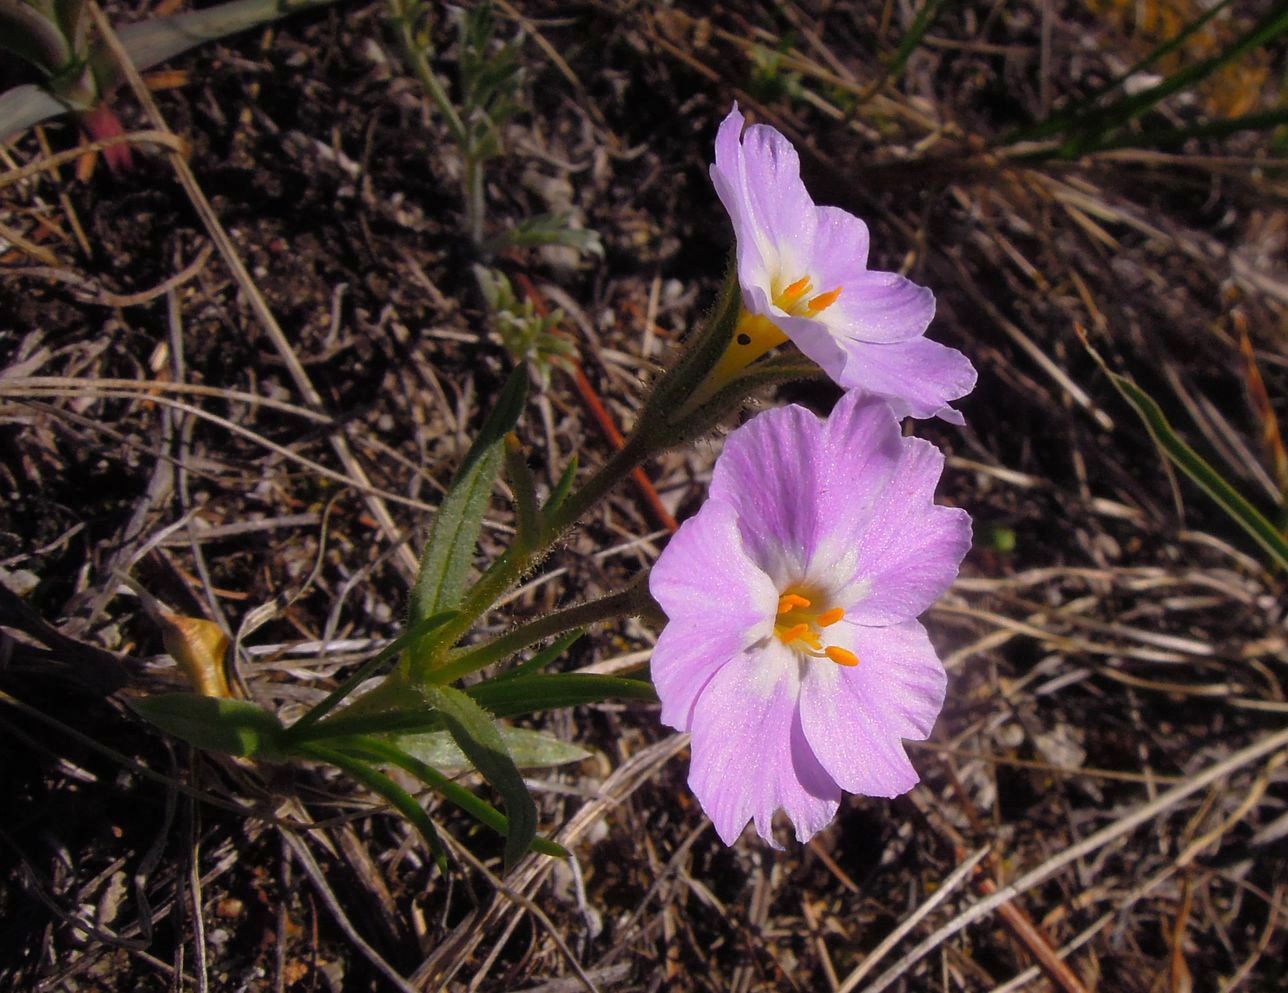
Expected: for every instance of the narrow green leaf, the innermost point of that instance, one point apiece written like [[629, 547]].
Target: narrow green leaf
[[503, 697], [1198, 469], [231, 727], [376, 750], [445, 564], [1096, 125], [369, 669], [916, 32], [1083, 109], [1167, 137], [562, 488], [509, 405], [528, 694], [544, 657], [379, 783], [475, 731], [530, 749], [148, 43], [519, 473], [26, 105], [151, 41]]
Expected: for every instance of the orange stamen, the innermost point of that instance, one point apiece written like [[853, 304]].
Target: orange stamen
[[787, 299], [823, 301], [790, 601], [830, 617], [797, 631], [841, 656]]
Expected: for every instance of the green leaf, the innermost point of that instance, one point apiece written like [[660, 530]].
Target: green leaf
[[562, 488], [1083, 109], [518, 472], [232, 727], [449, 552], [23, 106], [527, 694], [379, 783], [544, 657], [26, 33], [476, 733], [502, 697], [529, 749], [1095, 127], [148, 43], [548, 229], [377, 750], [1243, 513], [367, 670]]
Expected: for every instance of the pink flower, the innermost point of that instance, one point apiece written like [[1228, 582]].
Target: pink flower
[[805, 277], [792, 649]]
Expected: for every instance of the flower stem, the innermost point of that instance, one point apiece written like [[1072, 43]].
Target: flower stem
[[523, 556]]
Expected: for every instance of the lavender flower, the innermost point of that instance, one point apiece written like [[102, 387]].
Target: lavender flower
[[793, 652], [804, 276]]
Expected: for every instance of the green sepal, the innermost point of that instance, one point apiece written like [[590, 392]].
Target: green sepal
[[700, 356], [231, 727]]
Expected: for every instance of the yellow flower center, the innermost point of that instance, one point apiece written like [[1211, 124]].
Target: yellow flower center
[[800, 624]]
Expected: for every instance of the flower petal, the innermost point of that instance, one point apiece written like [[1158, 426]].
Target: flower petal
[[750, 754], [840, 251], [767, 473], [717, 602], [881, 307], [918, 377], [855, 717], [757, 178], [881, 533]]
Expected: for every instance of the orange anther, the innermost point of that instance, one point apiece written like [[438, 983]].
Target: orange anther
[[841, 656], [790, 601], [823, 301], [797, 631], [794, 292], [830, 617]]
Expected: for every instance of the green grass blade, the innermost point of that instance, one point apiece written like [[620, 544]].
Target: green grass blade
[[1197, 468], [921, 23], [1057, 122], [1095, 126], [1265, 121]]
